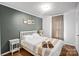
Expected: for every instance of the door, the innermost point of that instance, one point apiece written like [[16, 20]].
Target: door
[[58, 27]]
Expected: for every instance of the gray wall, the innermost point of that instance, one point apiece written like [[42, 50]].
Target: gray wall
[[12, 24], [0, 38]]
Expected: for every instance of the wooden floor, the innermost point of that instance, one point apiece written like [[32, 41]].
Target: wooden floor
[[67, 50], [22, 52]]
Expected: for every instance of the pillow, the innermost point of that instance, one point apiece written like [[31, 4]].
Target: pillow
[[36, 35], [27, 36]]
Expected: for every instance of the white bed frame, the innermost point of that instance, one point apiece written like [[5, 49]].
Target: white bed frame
[[27, 32]]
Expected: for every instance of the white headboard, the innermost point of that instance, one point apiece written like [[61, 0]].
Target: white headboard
[[27, 33]]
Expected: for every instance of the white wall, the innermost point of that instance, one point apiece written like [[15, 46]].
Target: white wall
[[69, 27], [47, 26], [77, 28]]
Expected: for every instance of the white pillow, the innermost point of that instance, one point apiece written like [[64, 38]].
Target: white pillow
[[27, 37], [36, 35]]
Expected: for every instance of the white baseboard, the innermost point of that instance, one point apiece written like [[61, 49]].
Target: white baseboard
[[5, 53], [69, 44]]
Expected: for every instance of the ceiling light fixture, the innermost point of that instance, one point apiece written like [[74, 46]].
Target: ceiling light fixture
[[45, 7]]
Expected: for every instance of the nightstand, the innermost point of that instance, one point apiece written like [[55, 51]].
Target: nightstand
[[14, 45]]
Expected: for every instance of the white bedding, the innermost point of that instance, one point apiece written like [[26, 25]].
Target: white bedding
[[31, 42], [34, 40], [57, 49]]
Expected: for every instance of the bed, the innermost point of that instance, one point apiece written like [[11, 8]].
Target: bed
[[32, 42]]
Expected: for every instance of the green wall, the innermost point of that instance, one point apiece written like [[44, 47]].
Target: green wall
[[12, 23]]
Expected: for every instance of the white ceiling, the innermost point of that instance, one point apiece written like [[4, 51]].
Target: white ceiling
[[33, 8]]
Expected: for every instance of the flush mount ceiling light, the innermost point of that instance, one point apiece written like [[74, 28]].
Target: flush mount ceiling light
[[45, 7]]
